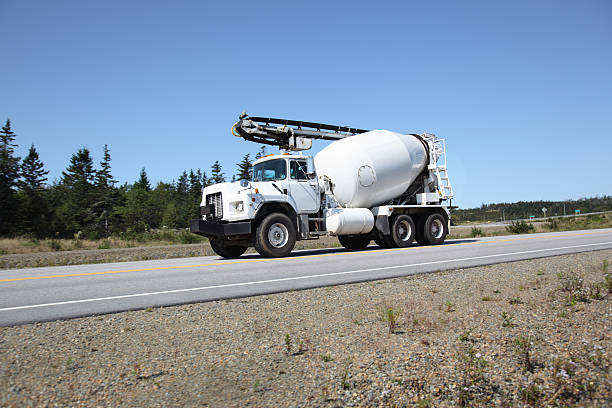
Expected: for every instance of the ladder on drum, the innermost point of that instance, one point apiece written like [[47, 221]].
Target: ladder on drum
[[437, 165]]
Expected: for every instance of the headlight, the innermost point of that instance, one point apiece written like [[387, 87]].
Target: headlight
[[237, 206]]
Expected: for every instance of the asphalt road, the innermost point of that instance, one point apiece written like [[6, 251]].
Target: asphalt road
[[43, 294]]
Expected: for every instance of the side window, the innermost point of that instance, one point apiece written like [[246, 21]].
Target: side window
[[298, 170]]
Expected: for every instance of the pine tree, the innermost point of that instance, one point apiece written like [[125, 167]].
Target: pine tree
[[204, 179], [140, 211], [33, 172], [78, 182], [105, 195], [80, 173], [170, 216], [158, 200], [9, 178], [104, 178], [183, 202], [35, 213], [217, 173], [143, 181], [136, 211], [195, 183], [244, 168], [182, 184]]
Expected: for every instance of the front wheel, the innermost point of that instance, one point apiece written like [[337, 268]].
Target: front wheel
[[223, 248], [354, 241], [275, 236]]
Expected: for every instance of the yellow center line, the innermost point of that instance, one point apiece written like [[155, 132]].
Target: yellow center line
[[245, 261]]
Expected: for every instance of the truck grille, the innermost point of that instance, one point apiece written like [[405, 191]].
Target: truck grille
[[216, 205]]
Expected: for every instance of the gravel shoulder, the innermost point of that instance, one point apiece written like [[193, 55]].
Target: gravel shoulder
[[527, 333]]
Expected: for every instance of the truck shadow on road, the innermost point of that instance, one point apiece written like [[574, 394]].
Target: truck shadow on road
[[339, 250]]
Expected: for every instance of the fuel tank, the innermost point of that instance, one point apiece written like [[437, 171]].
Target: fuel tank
[[348, 221]]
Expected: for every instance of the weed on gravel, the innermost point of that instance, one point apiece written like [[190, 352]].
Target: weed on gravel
[[524, 346]]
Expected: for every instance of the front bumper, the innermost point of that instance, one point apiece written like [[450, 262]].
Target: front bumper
[[214, 229]]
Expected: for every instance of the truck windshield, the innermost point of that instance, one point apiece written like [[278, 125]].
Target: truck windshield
[[270, 170]]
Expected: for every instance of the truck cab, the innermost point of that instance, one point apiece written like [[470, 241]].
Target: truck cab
[[292, 176], [231, 214]]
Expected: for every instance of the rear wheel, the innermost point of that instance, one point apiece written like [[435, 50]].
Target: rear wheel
[[435, 229], [419, 229], [354, 241], [225, 249], [275, 236], [402, 231]]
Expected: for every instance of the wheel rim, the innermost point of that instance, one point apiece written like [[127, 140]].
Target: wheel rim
[[404, 230], [437, 229], [278, 235]]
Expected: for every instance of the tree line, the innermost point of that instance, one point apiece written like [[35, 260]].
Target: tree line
[[87, 202], [525, 209]]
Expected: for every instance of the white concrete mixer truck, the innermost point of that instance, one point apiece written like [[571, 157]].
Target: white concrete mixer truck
[[366, 185]]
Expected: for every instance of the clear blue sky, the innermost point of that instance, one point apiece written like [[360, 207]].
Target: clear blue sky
[[521, 90]]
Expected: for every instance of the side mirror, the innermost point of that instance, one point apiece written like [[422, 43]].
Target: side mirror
[[244, 183], [310, 167]]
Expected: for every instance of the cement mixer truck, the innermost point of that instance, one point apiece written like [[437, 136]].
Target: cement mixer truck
[[366, 185]]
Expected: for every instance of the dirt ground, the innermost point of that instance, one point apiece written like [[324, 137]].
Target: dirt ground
[[529, 333]]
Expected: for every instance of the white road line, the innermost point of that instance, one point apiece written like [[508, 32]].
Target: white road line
[[229, 285]]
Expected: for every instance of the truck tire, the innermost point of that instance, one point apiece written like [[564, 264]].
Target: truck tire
[[402, 231], [383, 241], [223, 248], [354, 241], [275, 236], [419, 229], [435, 229]]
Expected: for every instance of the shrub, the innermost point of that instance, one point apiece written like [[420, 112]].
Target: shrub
[[390, 316], [607, 276], [476, 232], [507, 320], [523, 345], [531, 394], [573, 284], [55, 245], [344, 383], [288, 343], [516, 300], [552, 224], [520, 227], [472, 367], [104, 244]]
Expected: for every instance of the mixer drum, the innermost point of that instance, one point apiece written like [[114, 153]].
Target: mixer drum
[[371, 168]]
